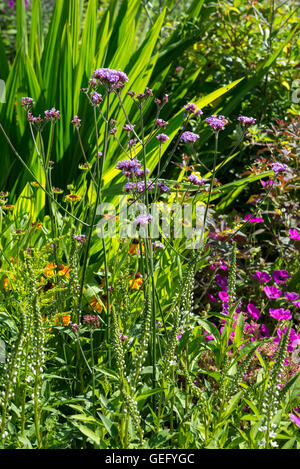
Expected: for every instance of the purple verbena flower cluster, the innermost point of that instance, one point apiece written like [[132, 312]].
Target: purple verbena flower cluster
[[216, 122]]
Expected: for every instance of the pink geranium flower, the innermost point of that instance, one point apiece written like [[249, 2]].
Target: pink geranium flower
[[251, 219], [280, 314], [272, 292], [294, 234], [253, 311]]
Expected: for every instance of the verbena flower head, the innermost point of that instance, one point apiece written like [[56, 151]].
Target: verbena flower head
[[52, 115], [194, 179], [280, 314], [191, 108], [189, 137], [38, 121], [158, 245], [161, 123], [27, 102], [216, 122], [294, 234], [280, 276], [246, 121], [163, 187], [128, 127], [80, 238], [128, 167], [142, 220], [96, 98], [138, 186], [279, 167], [111, 79], [272, 292], [76, 121], [162, 138], [91, 320]]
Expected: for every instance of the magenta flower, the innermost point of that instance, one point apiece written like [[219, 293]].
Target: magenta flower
[[221, 281], [223, 296], [267, 183], [294, 339], [262, 277], [295, 419], [189, 137], [217, 122], [251, 219], [264, 331], [294, 234], [253, 311], [280, 314], [246, 121], [210, 297], [280, 276], [291, 296], [272, 292]]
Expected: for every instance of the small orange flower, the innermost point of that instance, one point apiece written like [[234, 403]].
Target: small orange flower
[[6, 285], [66, 318], [137, 282], [62, 270], [96, 305], [8, 207], [134, 247]]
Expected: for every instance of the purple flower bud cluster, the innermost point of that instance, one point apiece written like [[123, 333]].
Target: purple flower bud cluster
[[80, 238], [132, 143], [27, 102], [162, 138], [158, 245], [194, 179], [52, 115], [161, 123], [128, 127], [129, 167], [191, 108], [246, 121], [91, 320], [189, 137], [76, 122], [111, 79], [142, 220], [138, 186], [162, 186], [216, 122], [279, 167], [96, 98]]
